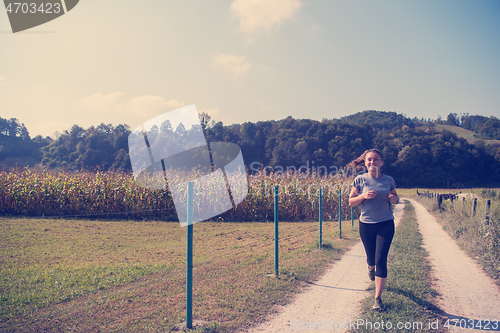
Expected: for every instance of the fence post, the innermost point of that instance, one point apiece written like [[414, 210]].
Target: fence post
[[189, 259], [340, 213], [276, 243], [439, 200], [487, 212], [352, 217], [474, 203], [320, 218]]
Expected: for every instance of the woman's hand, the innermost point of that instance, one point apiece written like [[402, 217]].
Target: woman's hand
[[370, 194], [356, 199], [393, 196]]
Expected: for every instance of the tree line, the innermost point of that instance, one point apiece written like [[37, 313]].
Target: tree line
[[415, 153], [487, 128], [16, 146]]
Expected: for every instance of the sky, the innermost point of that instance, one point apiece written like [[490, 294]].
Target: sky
[[125, 62]]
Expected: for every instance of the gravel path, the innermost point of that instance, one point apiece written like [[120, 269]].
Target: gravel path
[[334, 299], [467, 295]]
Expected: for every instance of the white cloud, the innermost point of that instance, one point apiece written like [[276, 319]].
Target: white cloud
[[154, 102], [145, 105], [263, 15], [99, 100], [231, 63], [3, 81]]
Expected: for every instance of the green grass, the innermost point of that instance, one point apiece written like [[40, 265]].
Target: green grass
[[64, 275], [408, 295], [470, 136], [406, 192]]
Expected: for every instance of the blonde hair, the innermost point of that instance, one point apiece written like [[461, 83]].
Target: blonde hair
[[360, 161]]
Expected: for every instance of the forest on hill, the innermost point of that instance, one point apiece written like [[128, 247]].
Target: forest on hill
[[416, 153]]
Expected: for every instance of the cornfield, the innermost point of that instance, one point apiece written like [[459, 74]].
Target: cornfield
[[107, 195]]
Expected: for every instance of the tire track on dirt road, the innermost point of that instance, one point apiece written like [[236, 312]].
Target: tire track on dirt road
[[467, 295], [335, 298]]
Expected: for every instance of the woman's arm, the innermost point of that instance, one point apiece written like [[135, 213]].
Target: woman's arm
[[355, 199], [393, 196]]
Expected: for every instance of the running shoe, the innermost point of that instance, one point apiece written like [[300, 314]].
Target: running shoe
[[378, 305], [371, 274]]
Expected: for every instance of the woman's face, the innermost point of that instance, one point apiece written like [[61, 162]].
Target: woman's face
[[373, 162]]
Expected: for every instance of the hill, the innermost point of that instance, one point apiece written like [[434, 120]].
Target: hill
[[487, 128], [379, 120], [434, 155]]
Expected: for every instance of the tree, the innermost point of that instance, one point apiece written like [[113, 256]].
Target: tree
[[13, 128], [206, 120], [453, 120], [104, 147]]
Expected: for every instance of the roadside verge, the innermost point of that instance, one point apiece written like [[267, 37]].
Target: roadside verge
[[468, 297]]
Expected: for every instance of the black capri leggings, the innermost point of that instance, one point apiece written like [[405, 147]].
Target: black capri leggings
[[377, 238]]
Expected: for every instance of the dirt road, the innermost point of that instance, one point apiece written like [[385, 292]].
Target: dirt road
[[467, 295]]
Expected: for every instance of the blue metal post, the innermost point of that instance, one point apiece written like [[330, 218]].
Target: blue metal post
[[320, 218], [276, 243], [340, 213], [189, 259]]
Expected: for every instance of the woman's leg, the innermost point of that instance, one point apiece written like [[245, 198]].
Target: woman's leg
[[383, 243], [379, 286], [368, 236]]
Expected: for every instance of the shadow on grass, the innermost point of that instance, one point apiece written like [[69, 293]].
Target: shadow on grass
[[325, 246], [450, 321], [332, 287], [410, 295]]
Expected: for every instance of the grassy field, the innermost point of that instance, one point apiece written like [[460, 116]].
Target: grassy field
[[464, 133], [408, 295], [80, 275]]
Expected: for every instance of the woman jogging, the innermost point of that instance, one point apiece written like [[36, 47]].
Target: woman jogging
[[375, 192]]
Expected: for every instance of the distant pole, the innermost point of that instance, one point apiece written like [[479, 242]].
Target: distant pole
[[340, 213], [320, 218], [474, 203], [487, 212], [189, 260], [276, 244]]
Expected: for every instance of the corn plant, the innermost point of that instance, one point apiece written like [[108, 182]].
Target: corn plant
[[109, 194]]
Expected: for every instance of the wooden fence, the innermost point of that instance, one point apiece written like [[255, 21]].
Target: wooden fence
[[439, 197]]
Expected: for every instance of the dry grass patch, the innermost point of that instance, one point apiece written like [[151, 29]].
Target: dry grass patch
[[60, 275]]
